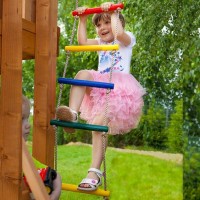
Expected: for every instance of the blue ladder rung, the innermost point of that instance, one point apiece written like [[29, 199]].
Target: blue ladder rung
[[79, 82], [77, 125]]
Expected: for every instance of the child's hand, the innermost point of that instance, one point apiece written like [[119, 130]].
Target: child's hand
[[81, 10], [106, 6]]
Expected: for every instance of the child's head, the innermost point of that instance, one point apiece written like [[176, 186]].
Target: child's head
[[25, 118], [102, 23], [106, 16]]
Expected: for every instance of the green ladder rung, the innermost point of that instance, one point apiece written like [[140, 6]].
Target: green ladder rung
[[77, 125]]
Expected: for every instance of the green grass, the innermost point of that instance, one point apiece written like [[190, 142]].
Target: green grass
[[129, 176]]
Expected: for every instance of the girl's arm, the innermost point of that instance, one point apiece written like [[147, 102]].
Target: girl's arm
[[82, 29], [118, 29], [122, 36]]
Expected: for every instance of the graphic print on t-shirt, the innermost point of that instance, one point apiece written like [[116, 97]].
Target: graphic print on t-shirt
[[106, 62]]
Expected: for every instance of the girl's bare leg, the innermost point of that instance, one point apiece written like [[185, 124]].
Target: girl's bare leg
[[76, 97], [97, 150], [77, 92]]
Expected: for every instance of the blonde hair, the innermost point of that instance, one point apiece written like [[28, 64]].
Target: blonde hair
[[106, 16]]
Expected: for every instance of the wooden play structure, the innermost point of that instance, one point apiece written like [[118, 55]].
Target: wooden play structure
[[28, 30]]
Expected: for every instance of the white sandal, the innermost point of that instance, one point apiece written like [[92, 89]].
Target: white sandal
[[65, 113], [93, 184]]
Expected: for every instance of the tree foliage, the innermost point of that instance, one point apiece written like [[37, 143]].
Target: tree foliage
[[174, 131]]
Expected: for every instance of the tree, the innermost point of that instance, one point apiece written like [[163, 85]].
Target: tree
[[175, 130]]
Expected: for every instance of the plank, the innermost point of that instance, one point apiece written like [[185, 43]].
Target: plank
[[11, 101], [29, 10], [45, 81], [35, 183], [28, 39]]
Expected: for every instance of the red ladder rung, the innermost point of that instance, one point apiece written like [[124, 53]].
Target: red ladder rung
[[99, 10]]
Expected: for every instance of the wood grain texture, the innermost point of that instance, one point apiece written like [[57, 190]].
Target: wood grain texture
[[11, 101], [45, 81]]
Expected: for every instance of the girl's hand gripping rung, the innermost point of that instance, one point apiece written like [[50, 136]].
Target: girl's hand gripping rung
[[99, 10]]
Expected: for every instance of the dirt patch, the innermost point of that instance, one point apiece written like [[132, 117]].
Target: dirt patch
[[177, 158]]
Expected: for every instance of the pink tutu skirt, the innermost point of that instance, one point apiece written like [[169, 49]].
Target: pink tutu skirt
[[124, 105]]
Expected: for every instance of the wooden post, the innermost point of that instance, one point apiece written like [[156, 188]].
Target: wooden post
[[45, 80], [11, 101]]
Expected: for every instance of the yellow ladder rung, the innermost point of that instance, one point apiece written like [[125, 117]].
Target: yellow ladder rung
[[73, 188], [92, 48]]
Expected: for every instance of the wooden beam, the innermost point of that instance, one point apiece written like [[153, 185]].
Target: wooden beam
[[28, 10], [28, 24], [11, 101], [28, 39], [35, 182], [45, 80]]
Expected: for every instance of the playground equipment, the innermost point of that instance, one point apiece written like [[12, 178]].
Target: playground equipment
[[73, 188], [106, 85], [89, 11], [92, 48]]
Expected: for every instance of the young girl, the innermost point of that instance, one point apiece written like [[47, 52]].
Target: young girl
[[125, 105]]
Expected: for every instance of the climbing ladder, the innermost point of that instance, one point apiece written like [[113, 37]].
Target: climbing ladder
[[85, 82], [105, 85]]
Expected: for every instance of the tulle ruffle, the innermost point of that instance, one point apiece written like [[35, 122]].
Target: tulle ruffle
[[124, 105]]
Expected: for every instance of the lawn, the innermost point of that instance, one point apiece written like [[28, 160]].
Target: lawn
[[129, 176]]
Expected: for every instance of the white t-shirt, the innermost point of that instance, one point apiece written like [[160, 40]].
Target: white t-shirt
[[122, 57]]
